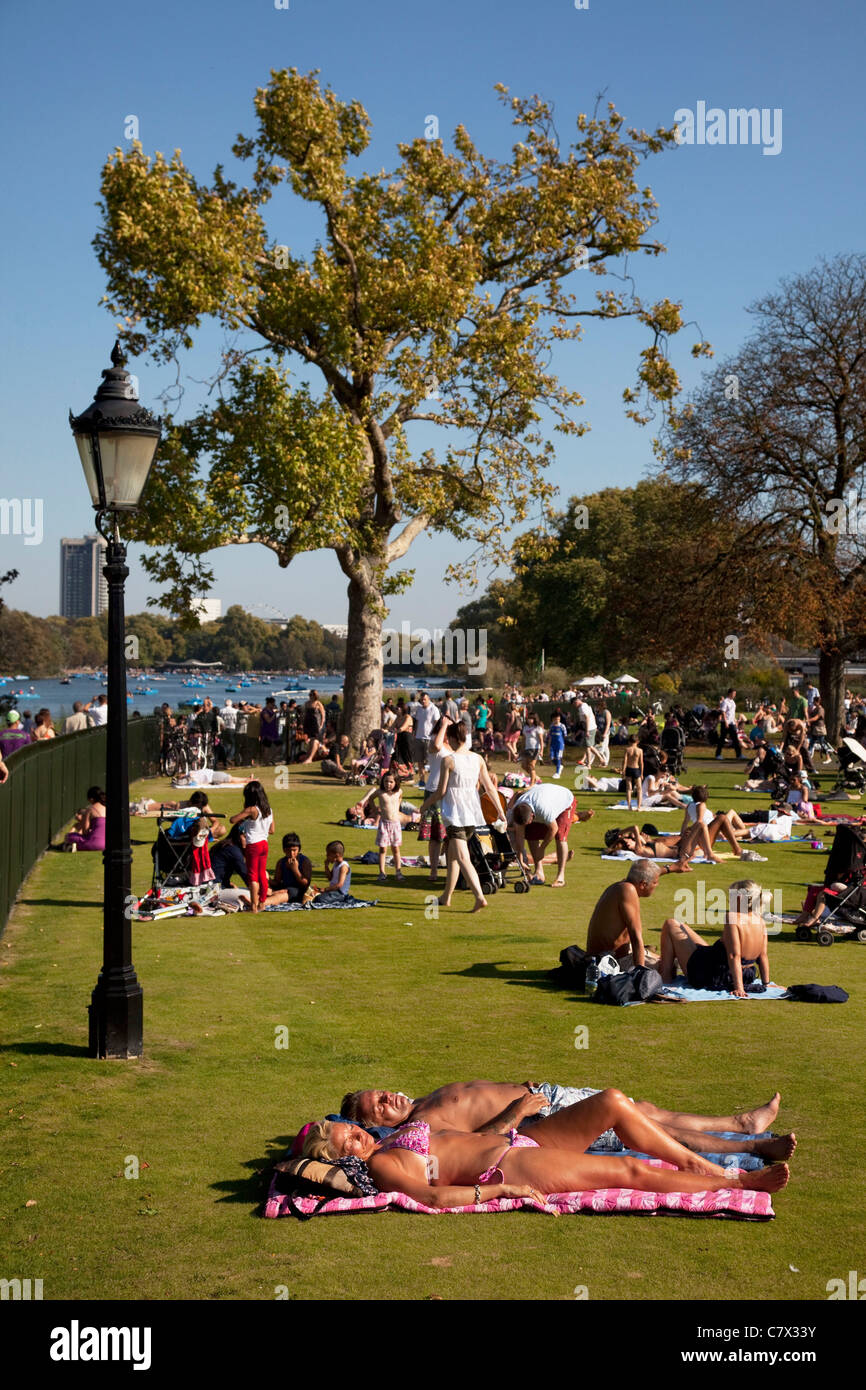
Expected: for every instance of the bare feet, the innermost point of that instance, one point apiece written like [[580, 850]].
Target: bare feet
[[780, 1147], [757, 1120], [771, 1179], [558, 883], [444, 902], [481, 903]]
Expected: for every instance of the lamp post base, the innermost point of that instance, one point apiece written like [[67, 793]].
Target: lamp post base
[[116, 1016]]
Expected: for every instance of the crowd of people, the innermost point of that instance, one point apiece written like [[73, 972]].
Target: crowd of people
[[479, 1141]]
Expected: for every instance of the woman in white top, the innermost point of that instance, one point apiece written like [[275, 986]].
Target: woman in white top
[[731, 826], [656, 791], [461, 775]]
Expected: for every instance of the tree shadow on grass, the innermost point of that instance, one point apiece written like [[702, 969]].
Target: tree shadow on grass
[[252, 1190], [529, 979], [45, 1049]]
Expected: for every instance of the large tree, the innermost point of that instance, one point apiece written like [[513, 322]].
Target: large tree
[[778, 434], [435, 295], [621, 577]]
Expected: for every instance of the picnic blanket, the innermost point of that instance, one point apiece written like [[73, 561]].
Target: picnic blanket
[[333, 899], [630, 854], [733, 1202], [624, 806], [704, 996]]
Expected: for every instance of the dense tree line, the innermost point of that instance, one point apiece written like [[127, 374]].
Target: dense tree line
[[43, 647]]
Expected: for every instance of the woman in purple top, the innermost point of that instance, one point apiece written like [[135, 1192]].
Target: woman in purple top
[[89, 832]]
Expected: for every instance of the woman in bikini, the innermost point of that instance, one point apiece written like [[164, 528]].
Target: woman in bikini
[[732, 962], [448, 1168]]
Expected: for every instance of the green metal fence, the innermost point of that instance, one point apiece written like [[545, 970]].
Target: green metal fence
[[47, 783]]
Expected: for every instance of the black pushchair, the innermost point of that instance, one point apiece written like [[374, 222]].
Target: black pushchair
[[492, 855], [852, 766], [846, 864], [673, 742], [171, 854]]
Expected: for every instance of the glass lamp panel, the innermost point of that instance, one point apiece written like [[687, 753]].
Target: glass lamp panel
[[126, 460], [85, 453]]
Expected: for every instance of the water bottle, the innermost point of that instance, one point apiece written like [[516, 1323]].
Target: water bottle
[[592, 977]]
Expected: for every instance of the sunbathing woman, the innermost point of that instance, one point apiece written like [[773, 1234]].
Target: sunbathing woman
[[732, 962], [697, 840], [728, 824], [446, 1168]]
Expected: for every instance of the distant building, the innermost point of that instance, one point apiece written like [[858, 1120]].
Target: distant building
[[208, 609], [83, 586]]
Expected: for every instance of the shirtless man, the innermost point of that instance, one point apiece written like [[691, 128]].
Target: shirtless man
[[615, 926], [549, 1114], [732, 962]]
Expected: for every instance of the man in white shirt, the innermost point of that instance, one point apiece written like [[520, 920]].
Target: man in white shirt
[[228, 725], [98, 713], [536, 817], [426, 715], [728, 726]]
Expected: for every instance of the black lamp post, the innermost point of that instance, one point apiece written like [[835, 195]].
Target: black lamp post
[[117, 439]]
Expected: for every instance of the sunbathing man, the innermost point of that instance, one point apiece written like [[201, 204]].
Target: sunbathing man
[[730, 963], [449, 1168], [553, 1115], [615, 926]]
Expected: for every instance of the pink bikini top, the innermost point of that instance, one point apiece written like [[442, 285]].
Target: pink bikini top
[[414, 1136]]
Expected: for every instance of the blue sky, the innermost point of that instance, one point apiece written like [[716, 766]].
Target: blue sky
[[734, 220]]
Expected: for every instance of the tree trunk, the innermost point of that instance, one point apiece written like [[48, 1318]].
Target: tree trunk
[[831, 683], [362, 694]]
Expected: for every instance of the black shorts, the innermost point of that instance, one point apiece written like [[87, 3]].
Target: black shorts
[[633, 775], [708, 968]]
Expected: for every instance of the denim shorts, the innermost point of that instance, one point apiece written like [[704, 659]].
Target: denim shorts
[[562, 1096]]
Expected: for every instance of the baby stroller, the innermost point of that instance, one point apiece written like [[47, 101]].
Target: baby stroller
[[846, 864], [172, 851], [673, 742], [373, 765], [852, 766], [492, 853]]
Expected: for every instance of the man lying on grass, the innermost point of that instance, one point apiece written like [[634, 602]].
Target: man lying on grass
[[444, 1167], [554, 1116]]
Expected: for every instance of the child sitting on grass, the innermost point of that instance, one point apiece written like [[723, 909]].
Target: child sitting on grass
[[340, 873], [292, 874]]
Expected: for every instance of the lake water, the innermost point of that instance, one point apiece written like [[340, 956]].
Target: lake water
[[150, 691]]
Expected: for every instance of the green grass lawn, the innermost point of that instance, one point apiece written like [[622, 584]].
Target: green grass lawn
[[384, 996]]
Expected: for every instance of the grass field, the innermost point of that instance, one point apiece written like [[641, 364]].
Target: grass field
[[385, 996]]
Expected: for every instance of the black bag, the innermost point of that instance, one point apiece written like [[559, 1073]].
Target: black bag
[[572, 969], [629, 986], [817, 994]]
